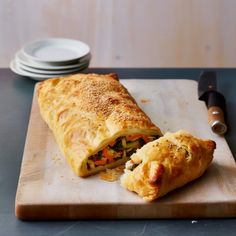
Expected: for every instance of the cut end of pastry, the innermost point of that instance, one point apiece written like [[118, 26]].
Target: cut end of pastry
[[115, 153], [166, 164]]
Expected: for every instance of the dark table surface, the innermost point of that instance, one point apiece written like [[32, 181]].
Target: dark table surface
[[15, 103]]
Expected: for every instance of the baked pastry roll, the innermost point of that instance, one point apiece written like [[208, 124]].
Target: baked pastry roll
[[96, 122], [166, 164]]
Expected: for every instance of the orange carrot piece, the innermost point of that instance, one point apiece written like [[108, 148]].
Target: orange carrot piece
[[110, 155], [112, 143], [106, 153], [146, 139], [101, 162]]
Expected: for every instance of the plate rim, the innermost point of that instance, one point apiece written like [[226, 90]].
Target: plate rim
[[20, 72], [49, 72], [19, 56], [40, 60]]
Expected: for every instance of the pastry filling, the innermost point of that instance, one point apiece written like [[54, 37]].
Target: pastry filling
[[123, 147]]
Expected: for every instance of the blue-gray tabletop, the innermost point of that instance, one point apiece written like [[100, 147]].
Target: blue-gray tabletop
[[15, 103]]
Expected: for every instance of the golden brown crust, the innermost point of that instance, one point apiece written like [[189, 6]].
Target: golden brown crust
[[87, 111], [167, 163]]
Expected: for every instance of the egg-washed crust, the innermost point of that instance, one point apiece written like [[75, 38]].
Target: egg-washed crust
[[166, 164], [88, 111]]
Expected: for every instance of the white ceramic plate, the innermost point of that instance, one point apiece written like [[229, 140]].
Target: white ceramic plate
[[19, 57], [18, 70], [55, 51], [49, 72]]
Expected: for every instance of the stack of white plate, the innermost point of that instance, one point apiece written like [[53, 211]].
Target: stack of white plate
[[51, 57]]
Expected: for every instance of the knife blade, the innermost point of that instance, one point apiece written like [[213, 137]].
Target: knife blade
[[215, 101]]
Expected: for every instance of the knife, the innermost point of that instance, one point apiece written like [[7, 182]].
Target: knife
[[215, 101]]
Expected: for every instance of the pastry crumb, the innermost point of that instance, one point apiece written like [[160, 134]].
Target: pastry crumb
[[143, 100], [56, 159], [112, 175]]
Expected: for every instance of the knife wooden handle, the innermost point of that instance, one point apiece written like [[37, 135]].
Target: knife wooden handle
[[216, 120]]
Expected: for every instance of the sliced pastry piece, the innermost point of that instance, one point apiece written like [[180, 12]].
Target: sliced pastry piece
[[166, 164], [96, 122]]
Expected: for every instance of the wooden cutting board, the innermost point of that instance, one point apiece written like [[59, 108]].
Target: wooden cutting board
[[48, 189]]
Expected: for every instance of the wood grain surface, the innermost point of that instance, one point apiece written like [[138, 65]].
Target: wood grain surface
[[127, 33], [48, 189]]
